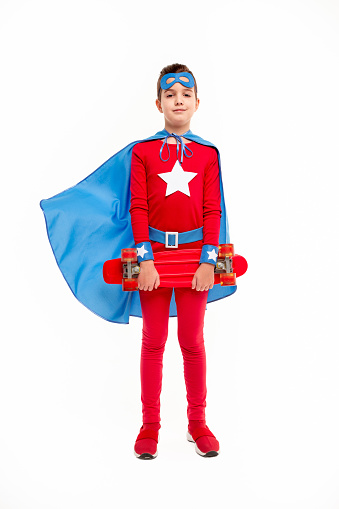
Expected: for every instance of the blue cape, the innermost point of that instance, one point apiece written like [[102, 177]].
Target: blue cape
[[90, 223]]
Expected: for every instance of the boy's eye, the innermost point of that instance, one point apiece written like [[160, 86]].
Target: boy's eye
[[170, 95]]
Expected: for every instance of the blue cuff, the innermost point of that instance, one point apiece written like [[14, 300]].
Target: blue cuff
[[144, 251], [209, 254]]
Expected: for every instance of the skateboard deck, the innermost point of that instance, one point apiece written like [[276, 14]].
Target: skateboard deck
[[175, 268]]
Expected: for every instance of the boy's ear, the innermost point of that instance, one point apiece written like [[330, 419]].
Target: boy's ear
[[158, 104], [197, 102]]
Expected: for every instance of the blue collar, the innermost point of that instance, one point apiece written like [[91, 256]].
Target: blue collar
[[179, 139]]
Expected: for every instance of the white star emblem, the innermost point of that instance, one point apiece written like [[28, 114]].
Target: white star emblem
[[141, 251], [212, 255], [177, 179]]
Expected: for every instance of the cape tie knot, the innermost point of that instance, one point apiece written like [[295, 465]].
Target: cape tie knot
[[180, 141]]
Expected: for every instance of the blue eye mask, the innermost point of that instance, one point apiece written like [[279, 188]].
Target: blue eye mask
[[185, 78]]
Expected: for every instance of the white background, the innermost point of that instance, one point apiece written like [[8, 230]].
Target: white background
[[78, 83]]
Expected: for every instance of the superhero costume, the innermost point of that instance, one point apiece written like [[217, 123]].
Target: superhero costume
[[90, 223]]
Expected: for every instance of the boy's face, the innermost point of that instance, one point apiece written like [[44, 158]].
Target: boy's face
[[178, 104]]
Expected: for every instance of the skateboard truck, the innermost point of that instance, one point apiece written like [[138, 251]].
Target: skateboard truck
[[130, 270], [224, 265]]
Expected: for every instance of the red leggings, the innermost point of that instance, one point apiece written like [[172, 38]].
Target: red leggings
[[191, 305]]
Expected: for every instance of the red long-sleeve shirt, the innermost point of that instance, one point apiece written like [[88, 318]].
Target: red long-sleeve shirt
[[196, 204]]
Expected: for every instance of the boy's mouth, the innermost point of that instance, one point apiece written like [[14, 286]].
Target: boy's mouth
[[179, 110]]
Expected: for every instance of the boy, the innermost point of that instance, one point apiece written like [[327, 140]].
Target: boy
[[181, 194]]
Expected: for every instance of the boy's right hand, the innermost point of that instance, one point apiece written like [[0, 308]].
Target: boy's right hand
[[148, 276]]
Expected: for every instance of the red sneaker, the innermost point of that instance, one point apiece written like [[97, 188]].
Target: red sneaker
[[205, 442], [145, 447]]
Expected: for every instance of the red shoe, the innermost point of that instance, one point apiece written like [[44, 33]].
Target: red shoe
[[145, 447], [205, 442]]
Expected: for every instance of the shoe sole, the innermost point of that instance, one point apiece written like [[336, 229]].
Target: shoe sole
[[146, 455], [208, 454]]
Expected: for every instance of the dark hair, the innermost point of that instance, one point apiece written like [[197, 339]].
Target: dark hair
[[174, 68]]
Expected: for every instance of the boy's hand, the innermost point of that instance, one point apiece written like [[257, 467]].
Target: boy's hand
[[203, 279], [148, 276]]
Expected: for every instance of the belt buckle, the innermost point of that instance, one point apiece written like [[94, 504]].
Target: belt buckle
[[176, 239]]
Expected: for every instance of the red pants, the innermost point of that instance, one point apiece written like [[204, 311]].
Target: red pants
[[191, 305]]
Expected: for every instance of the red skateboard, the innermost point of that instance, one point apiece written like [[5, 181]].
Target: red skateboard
[[175, 268]]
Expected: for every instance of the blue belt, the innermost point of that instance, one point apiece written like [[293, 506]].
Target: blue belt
[[172, 239]]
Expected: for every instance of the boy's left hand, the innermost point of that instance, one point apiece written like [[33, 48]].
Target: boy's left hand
[[203, 279]]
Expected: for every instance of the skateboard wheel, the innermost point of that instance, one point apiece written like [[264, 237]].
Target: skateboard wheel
[[226, 250], [129, 285], [129, 255], [228, 279]]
